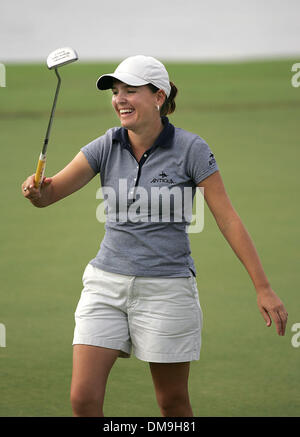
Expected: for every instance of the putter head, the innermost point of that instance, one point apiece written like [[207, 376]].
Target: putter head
[[60, 57]]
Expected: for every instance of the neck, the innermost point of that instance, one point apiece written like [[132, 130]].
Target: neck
[[146, 137]]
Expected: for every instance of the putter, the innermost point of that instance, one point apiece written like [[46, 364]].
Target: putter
[[56, 59]]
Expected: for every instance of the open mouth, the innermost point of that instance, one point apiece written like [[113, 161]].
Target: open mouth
[[126, 112]]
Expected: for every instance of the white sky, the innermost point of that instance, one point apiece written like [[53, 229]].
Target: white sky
[[167, 29]]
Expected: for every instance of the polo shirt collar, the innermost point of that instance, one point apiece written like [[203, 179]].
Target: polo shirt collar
[[164, 139]]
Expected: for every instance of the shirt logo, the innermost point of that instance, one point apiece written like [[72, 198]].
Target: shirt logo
[[163, 177], [212, 159]]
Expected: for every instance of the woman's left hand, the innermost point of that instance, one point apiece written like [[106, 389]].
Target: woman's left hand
[[271, 308]]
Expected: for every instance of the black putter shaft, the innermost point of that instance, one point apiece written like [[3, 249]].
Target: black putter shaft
[[39, 174], [52, 113]]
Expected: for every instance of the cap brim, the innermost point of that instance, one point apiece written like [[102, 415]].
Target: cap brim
[[106, 80]]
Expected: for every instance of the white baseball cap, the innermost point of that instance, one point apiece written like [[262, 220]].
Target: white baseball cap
[[136, 71]]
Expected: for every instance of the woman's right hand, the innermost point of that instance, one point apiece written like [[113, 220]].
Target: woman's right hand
[[70, 179], [36, 195]]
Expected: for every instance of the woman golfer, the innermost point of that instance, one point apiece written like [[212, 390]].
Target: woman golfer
[[140, 291]]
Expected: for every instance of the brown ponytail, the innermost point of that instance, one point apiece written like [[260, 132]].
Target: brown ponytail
[[169, 105]]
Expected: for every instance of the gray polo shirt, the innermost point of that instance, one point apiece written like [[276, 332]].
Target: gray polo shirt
[[146, 243]]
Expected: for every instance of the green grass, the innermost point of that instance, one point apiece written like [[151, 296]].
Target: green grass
[[249, 114]]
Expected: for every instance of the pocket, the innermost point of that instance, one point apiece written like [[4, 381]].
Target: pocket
[[196, 291], [192, 281], [193, 286]]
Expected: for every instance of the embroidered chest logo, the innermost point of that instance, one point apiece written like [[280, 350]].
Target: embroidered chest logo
[[211, 159], [163, 177]]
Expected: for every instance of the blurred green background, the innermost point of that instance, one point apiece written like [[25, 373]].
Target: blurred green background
[[249, 115]]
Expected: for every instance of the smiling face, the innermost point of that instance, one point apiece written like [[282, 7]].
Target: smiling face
[[136, 107]]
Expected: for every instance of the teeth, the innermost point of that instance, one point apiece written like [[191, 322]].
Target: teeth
[[125, 111]]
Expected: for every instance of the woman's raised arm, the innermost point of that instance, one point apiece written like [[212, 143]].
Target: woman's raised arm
[[70, 179]]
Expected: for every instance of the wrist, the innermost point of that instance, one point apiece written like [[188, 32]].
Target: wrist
[[263, 288], [44, 199], [38, 203]]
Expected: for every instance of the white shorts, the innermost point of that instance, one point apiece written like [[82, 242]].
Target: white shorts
[[159, 318]]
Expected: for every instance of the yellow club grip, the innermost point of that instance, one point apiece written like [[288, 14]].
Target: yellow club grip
[[40, 170]]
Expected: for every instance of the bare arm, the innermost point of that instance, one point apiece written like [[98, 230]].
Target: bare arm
[[70, 179], [240, 241]]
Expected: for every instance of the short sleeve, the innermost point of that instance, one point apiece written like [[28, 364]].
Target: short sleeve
[[201, 161], [94, 153]]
